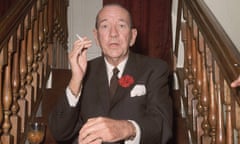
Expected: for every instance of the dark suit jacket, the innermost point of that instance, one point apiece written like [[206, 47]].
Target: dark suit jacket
[[152, 111]]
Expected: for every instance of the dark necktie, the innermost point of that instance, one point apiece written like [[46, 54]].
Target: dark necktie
[[114, 82]]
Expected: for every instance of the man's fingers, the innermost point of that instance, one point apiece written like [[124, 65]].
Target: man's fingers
[[82, 45], [97, 141], [91, 136]]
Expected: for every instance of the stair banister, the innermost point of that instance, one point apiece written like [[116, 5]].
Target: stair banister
[[211, 104]]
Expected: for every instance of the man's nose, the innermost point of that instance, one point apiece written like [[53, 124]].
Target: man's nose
[[114, 32]]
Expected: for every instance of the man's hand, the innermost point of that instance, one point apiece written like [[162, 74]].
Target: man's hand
[[236, 82], [100, 129], [78, 62]]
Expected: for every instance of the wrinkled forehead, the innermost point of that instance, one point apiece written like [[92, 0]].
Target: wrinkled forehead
[[113, 12]]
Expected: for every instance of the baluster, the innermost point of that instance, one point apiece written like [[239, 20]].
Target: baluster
[[50, 37], [41, 41], [219, 134], [54, 50], [45, 30], [199, 103], [184, 40], [29, 77], [58, 45], [7, 97], [237, 120], [54, 45], [189, 51], [213, 102], [35, 74], [202, 106], [196, 106], [212, 110], [3, 62], [190, 85], [23, 71], [212, 107], [227, 102], [188, 71], [57, 31], [15, 119]]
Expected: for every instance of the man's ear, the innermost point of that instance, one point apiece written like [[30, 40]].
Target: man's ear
[[134, 36], [96, 36]]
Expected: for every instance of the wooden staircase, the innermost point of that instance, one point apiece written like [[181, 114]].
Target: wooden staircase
[[33, 39]]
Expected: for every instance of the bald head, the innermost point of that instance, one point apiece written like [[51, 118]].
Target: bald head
[[111, 6]]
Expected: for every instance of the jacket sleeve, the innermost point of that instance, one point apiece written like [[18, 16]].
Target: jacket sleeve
[[156, 123], [64, 121]]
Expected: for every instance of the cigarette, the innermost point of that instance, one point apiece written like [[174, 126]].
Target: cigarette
[[80, 38], [237, 65]]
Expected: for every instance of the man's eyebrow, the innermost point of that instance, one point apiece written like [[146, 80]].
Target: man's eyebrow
[[103, 20], [123, 20]]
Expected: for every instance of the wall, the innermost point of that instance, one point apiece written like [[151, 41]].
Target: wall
[[227, 13], [180, 60], [81, 20]]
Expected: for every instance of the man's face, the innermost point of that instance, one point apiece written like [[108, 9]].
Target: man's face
[[114, 34]]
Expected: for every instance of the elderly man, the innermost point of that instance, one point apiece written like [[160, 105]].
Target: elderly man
[[119, 97]]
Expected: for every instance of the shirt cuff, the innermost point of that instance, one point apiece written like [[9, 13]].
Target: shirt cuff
[[72, 100], [137, 138]]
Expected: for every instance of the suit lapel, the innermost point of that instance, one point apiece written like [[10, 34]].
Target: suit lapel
[[131, 69], [103, 87]]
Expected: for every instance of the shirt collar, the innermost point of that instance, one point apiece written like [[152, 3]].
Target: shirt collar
[[120, 67]]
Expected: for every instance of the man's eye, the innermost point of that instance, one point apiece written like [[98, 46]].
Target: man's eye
[[103, 26], [122, 26]]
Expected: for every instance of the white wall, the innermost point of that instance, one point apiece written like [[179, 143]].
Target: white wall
[[180, 58], [227, 13], [81, 20]]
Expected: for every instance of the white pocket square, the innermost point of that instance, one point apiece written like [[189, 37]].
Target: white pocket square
[[138, 90]]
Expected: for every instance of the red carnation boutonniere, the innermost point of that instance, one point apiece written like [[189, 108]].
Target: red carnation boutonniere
[[126, 81]]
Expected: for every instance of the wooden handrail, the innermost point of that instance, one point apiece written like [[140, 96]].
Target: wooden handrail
[[14, 16]]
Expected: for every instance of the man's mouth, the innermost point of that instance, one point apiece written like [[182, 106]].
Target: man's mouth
[[114, 44]]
